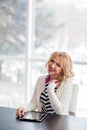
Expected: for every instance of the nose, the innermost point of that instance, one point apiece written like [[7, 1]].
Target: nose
[[53, 65]]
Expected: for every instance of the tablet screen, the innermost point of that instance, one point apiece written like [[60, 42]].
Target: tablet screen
[[34, 116]]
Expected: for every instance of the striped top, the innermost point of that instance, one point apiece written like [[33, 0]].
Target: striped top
[[44, 98]]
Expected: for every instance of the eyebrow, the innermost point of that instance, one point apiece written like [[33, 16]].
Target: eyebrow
[[58, 64]]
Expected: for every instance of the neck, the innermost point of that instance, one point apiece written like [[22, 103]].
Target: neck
[[52, 77]]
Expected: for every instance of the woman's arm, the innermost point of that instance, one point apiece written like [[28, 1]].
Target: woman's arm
[[60, 103], [32, 105]]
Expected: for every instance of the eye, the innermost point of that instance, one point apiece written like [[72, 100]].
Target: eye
[[57, 64], [52, 60]]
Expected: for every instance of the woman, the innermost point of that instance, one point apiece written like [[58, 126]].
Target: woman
[[53, 91]]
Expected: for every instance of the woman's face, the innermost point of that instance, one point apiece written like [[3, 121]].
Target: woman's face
[[54, 68]]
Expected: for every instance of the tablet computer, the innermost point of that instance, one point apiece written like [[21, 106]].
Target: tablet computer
[[33, 116]]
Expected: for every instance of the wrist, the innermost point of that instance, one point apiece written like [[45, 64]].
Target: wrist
[[51, 86]]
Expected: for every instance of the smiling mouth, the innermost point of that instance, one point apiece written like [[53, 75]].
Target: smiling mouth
[[51, 70]]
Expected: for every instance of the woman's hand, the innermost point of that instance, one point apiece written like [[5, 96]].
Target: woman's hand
[[55, 82], [20, 112]]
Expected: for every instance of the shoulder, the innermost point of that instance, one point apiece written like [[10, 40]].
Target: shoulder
[[73, 82], [67, 84], [68, 81], [41, 79], [40, 82]]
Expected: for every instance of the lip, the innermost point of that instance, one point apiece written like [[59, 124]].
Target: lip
[[51, 70]]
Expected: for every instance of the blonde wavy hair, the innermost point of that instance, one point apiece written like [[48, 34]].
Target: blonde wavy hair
[[65, 63]]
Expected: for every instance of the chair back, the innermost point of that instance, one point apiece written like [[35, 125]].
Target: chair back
[[73, 101]]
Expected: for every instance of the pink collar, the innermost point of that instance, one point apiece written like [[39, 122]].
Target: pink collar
[[47, 80]]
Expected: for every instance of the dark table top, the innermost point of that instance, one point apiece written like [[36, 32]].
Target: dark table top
[[8, 121]]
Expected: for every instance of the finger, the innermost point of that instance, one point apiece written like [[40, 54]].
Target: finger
[[22, 112], [18, 113]]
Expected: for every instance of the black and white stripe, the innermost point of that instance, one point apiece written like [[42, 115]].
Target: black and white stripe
[[46, 106]]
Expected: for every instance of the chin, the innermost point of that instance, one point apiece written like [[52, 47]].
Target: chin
[[51, 73]]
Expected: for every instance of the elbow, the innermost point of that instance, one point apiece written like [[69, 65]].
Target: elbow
[[61, 111]]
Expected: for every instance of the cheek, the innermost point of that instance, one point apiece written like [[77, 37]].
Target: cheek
[[49, 64], [59, 70]]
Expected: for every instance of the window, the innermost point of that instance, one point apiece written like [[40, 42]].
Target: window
[[12, 51]]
